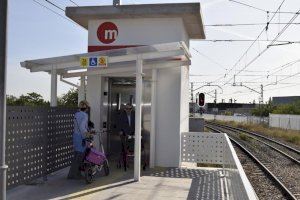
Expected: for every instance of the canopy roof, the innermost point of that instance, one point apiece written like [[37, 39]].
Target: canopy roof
[[119, 60], [189, 12]]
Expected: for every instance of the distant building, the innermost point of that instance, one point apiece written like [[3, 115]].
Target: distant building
[[285, 100], [222, 108]]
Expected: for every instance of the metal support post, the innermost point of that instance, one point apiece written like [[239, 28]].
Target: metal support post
[[138, 118], [192, 92], [215, 96], [262, 93], [53, 101], [153, 117], [82, 89], [3, 42], [117, 2]]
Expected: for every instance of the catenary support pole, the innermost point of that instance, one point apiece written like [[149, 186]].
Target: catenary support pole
[[3, 42], [153, 118], [117, 2], [262, 93], [192, 92], [53, 100], [216, 93], [138, 118]]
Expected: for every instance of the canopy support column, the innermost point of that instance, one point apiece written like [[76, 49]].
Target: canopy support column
[[81, 89], [138, 118], [3, 42], [53, 101], [153, 118]]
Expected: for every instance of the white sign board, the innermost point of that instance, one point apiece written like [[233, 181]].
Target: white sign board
[[123, 33]]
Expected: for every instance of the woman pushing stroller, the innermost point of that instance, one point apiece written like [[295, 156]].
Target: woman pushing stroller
[[86, 157], [81, 132]]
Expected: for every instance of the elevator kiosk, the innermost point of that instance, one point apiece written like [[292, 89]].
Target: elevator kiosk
[[146, 56]]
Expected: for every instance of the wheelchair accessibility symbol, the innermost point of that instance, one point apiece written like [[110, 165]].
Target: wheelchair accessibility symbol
[[93, 62]]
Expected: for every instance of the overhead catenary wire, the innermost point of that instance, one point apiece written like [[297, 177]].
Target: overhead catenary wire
[[237, 40], [73, 2], [272, 42], [54, 12], [208, 58], [278, 81], [249, 24], [53, 4], [277, 88], [276, 70], [257, 38], [263, 10]]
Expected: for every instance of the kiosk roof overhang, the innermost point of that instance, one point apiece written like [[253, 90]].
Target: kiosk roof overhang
[[120, 61], [189, 12]]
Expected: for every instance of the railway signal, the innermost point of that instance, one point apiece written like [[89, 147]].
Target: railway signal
[[201, 99]]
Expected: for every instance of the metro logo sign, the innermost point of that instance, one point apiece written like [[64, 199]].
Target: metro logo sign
[[107, 32]]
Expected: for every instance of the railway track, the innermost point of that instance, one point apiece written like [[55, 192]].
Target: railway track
[[289, 152], [268, 166]]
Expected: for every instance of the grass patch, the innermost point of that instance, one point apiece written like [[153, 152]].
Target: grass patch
[[291, 136], [206, 130], [245, 137]]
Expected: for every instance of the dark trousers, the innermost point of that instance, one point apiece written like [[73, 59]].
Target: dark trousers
[[74, 172]]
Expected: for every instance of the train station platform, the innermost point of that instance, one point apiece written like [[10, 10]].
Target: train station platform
[[158, 183], [220, 177]]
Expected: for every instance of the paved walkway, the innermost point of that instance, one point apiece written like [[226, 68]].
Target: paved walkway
[[160, 183]]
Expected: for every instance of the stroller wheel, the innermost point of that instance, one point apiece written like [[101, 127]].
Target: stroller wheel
[[106, 168], [89, 175]]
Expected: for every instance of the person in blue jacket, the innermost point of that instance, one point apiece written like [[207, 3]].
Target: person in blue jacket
[[80, 133]]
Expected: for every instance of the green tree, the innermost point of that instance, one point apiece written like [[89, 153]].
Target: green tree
[[11, 100], [292, 109], [263, 110], [30, 99], [70, 99]]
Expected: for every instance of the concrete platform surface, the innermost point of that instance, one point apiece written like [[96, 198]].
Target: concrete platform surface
[[159, 183]]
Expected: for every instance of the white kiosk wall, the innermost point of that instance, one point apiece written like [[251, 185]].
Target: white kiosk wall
[[172, 84]]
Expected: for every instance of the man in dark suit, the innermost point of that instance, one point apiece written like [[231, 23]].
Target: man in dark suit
[[126, 128], [126, 123]]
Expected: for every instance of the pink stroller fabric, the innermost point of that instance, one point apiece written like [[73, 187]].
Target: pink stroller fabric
[[95, 157]]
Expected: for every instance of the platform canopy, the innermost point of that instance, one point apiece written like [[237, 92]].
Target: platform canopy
[[190, 13], [133, 61], [119, 61]]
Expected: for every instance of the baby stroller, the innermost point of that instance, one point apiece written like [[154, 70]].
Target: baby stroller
[[127, 152], [94, 161]]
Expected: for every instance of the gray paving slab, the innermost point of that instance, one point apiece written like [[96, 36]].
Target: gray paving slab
[[159, 183]]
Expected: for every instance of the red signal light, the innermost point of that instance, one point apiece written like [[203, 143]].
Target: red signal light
[[201, 99]]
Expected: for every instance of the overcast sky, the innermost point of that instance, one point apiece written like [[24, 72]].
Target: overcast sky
[[35, 32]]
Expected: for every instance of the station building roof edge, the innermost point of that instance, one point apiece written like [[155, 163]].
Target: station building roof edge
[[189, 12]]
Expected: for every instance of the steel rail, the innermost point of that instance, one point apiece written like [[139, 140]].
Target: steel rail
[[281, 186], [261, 136], [272, 147]]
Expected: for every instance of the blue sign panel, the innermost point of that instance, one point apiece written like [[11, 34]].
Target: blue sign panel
[[93, 62]]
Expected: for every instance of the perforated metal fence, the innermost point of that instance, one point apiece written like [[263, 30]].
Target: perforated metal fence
[[216, 148], [38, 142]]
